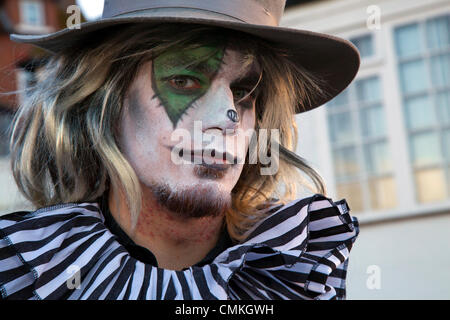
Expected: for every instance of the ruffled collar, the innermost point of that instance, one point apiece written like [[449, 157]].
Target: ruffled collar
[[66, 252], [145, 255]]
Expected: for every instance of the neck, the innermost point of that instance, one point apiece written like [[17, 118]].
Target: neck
[[175, 241]]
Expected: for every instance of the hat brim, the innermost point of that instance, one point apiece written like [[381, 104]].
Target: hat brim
[[332, 59]]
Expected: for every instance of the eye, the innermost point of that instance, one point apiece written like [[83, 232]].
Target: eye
[[246, 98], [184, 83], [240, 93]]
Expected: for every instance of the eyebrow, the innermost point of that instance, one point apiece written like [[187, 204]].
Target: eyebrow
[[201, 67], [188, 63], [250, 80]]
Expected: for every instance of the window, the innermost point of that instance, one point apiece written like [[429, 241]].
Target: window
[[32, 13], [423, 52], [365, 45], [360, 149]]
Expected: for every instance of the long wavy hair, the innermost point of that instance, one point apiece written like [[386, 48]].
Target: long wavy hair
[[64, 140]]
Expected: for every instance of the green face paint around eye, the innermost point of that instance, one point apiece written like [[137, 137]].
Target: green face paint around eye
[[180, 77]]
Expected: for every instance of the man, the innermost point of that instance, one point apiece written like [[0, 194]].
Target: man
[[156, 144]]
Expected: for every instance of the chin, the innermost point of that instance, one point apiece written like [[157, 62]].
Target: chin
[[196, 200]]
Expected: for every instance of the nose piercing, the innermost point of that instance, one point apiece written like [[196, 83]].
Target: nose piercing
[[233, 115]]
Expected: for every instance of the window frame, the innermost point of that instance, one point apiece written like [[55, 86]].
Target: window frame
[[377, 56], [40, 13], [361, 142], [370, 35], [431, 92]]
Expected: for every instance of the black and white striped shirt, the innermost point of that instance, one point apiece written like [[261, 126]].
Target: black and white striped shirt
[[298, 252]]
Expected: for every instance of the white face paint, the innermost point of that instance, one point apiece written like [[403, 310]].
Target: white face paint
[[147, 129]]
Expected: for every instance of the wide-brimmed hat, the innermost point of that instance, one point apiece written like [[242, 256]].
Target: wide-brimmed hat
[[331, 59]]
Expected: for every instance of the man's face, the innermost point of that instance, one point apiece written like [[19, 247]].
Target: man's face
[[183, 103]]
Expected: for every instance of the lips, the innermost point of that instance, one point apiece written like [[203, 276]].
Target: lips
[[208, 157]]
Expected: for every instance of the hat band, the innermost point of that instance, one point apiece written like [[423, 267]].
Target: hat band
[[245, 11]]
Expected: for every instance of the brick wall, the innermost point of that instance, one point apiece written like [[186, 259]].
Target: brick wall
[[12, 53]]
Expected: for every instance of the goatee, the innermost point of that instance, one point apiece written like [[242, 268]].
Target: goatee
[[192, 202]]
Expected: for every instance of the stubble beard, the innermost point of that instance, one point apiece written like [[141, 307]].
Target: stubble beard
[[196, 201]]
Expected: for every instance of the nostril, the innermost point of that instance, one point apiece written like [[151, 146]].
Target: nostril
[[213, 153], [233, 115]]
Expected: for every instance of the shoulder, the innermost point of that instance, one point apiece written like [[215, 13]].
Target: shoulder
[[319, 211], [313, 213], [314, 203], [15, 216], [45, 218], [51, 210], [29, 242]]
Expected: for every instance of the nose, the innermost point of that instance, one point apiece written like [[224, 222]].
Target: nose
[[219, 111]]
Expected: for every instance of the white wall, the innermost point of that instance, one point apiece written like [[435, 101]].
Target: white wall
[[413, 257], [10, 197]]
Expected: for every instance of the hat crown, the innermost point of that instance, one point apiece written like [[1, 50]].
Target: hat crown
[[263, 12]]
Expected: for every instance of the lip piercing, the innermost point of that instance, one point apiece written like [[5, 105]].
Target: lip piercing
[[233, 115]]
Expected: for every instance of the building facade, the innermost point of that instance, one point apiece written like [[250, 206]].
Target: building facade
[[384, 142], [17, 62]]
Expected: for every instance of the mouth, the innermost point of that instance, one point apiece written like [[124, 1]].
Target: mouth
[[208, 158]]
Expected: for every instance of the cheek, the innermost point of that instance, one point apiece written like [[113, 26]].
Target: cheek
[[143, 127], [248, 116], [141, 146], [248, 120]]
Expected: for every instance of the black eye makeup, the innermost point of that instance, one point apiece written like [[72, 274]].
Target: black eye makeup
[[246, 89]]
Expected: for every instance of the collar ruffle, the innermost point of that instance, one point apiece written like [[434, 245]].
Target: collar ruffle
[[65, 252]]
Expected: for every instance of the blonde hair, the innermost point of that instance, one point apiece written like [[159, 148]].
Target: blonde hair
[[64, 140]]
